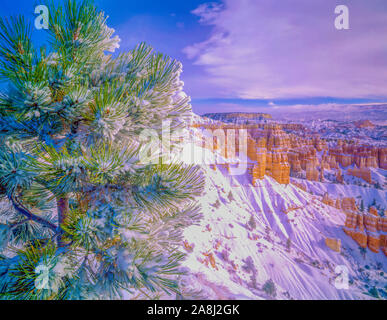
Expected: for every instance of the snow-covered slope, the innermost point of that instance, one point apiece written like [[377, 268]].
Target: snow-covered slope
[[367, 194], [251, 234]]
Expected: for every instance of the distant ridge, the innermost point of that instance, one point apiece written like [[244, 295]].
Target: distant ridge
[[238, 116]]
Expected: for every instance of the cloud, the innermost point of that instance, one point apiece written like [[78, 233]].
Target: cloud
[[265, 49], [208, 12]]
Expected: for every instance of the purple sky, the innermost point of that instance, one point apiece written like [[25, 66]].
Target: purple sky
[[249, 54], [265, 49]]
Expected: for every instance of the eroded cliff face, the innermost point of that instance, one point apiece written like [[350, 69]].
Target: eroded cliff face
[[252, 233], [364, 124], [347, 154], [362, 173], [367, 229], [267, 149], [278, 154], [274, 152]]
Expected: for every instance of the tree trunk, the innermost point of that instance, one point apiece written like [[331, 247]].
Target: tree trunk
[[63, 210]]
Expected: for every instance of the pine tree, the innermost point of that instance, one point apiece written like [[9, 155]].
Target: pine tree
[[81, 216], [362, 206], [270, 288], [289, 244]]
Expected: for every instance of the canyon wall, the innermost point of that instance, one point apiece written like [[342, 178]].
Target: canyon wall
[[273, 152], [278, 154]]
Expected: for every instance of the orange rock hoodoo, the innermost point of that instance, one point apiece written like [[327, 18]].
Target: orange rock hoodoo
[[367, 229], [347, 154], [364, 124], [334, 244], [267, 147], [362, 173]]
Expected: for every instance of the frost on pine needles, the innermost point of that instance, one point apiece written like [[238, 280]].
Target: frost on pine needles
[[81, 217]]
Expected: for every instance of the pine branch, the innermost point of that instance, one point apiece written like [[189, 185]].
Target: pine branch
[[24, 211], [17, 224]]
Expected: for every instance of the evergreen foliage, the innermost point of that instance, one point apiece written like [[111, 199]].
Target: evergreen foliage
[[81, 217], [269, 288]]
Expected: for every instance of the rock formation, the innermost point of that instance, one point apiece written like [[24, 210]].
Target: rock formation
[[364, 124], [277, 153], [312, 174], [339, 176], [367, 229], [271, 151], [328, 201], [362, 173], [334, 244]]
